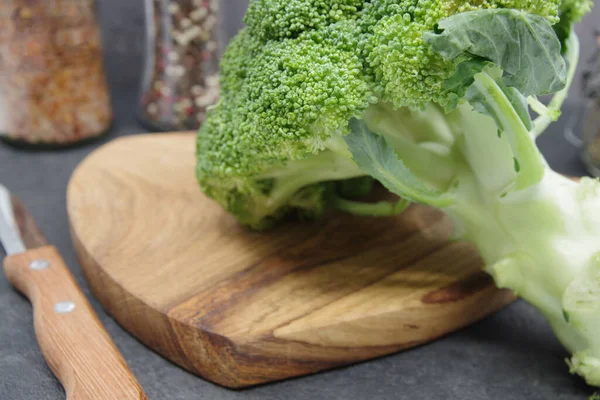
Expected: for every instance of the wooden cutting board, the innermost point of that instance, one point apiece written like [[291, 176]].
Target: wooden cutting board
[[242, 308]]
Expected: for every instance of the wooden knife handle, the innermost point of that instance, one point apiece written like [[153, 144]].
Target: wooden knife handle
[[72, 339]]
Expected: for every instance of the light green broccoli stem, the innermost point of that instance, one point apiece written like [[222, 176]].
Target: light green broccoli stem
[[322, 167], [540, 239], [334, 164], [537, 231], [378, 209], [422, 140], [543, 243], [528, 161]]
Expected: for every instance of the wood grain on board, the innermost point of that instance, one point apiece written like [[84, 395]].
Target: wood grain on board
[[241, 308]]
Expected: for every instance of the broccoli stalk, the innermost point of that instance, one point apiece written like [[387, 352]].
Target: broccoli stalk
[[538, 232], [543, 243]]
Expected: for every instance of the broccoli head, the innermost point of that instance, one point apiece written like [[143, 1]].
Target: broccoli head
[[300, 70], [276, 20], [263, 149]]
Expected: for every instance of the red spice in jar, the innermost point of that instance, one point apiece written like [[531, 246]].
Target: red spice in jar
[[52, 85]]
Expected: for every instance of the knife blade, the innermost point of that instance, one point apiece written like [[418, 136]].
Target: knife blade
[[18, 230], [72, 339]]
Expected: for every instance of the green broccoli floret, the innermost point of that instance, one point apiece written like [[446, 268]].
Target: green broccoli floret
[[404, 69], [281, 19], [570, 11], [284, 108]]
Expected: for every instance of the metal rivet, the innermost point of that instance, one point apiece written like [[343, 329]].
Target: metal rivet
[[64, 307], [39, 264]]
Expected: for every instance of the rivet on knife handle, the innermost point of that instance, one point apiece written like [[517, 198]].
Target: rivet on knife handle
[[72, 339]]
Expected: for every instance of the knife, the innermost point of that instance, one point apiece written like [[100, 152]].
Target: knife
[[71, 337]]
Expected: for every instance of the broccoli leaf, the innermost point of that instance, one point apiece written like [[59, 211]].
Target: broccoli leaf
[[524, 45], [377, 158]]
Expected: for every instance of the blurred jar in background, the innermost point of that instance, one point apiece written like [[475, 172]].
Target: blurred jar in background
[[591, 97], [182, 63], [52, 86]]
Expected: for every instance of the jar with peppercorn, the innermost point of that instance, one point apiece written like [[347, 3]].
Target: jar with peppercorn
[[182, 63], [591, 126], [52, 85]]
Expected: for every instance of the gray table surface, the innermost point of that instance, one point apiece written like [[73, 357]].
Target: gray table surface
[[510, 355]]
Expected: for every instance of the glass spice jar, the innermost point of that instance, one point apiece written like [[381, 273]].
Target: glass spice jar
[[52, 85], [182, 63], [591, 125]]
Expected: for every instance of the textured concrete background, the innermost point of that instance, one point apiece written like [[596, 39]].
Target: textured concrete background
[[512, 355], [585, 31]]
